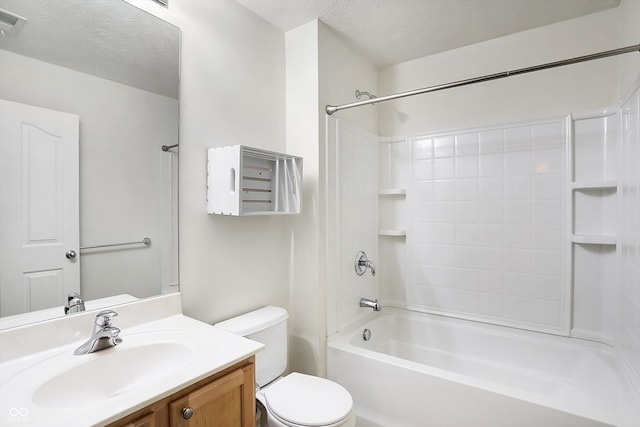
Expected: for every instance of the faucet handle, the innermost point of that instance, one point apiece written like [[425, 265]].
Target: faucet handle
[[74, 304], [104, 317], [362, 263], [73, 295]]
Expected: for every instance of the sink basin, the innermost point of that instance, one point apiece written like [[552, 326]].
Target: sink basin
[[109, 373], [62, 380]]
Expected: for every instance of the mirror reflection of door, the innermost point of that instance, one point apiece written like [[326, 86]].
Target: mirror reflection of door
[[39, 191]]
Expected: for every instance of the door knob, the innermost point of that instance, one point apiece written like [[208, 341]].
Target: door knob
[[71, 254], [187, 412]]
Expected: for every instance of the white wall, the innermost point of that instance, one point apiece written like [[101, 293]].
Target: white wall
[[321, 69], [307, 303], [120, 166], [343, 69], [629, 29], [232, 92], [541, 94]]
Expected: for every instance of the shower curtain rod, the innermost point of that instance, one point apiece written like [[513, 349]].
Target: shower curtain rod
[[330, 109]]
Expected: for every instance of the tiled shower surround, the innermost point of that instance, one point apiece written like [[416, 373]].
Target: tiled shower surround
[[486, 214], [534, 225]]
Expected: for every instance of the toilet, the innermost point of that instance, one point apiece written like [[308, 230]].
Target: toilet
[[295, 400]]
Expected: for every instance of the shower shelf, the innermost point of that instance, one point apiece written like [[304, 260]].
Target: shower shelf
[[392, 192], [593, 185], [392, 233], [593, 239], [245, 181]]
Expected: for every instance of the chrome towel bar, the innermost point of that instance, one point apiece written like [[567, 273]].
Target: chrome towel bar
[[146, 241]]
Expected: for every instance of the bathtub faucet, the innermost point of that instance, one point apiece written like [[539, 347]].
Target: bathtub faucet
[[370, 303], [362, 263]]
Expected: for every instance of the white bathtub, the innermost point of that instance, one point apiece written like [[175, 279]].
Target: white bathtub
[[419, 370]]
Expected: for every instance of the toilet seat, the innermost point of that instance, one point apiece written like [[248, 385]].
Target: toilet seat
[[299, 400]]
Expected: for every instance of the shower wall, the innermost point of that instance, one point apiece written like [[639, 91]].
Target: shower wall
[[353, 215], [169, 221], [517, 99], [600, 266], [486, 224], [512, 225], [629, 231]]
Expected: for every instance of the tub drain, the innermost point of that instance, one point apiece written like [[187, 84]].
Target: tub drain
[[366, 334]]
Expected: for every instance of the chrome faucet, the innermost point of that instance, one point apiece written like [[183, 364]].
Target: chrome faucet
[[104, 335], [75, 303], [370, 303]]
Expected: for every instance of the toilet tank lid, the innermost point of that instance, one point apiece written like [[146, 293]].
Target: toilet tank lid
[[254, 321]]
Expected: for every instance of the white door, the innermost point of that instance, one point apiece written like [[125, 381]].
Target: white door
[[39, 207]]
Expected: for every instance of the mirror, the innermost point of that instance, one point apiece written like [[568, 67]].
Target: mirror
[[116, 68]]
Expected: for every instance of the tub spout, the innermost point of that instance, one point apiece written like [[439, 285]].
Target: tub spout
[[370, 303]]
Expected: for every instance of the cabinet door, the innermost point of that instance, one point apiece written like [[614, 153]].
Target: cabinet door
[[226, 402], [148, 420]]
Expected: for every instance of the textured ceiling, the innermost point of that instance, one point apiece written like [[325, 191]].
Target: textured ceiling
[[106, 38], [114, 40], [393, 31]]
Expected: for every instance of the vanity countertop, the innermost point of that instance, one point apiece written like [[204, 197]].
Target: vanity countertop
[[42, 385]]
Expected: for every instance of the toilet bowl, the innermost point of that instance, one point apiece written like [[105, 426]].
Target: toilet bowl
[[304, 400], [294, 400]]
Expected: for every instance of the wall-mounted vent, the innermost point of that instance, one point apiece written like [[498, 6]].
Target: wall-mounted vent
[[10, 23]]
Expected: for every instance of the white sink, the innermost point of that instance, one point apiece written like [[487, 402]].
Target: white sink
[[142, 359], [109, 373]]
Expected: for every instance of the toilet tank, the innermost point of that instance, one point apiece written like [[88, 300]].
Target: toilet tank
[[267, 326]]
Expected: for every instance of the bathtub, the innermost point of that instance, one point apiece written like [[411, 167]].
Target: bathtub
[[420, 370]]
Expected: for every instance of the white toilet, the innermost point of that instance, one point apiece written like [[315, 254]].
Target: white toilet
[[295, 400]]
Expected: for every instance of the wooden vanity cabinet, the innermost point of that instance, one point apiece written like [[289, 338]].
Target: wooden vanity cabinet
[[225, 399], [148, 420]]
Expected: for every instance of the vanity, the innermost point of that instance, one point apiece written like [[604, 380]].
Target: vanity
[[224, 399], [169, 370]]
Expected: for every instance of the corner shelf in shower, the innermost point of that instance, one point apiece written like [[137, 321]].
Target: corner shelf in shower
[[593, 239], [592, 196], [389, 192], [595, 185], [392, 233], [594, 213]]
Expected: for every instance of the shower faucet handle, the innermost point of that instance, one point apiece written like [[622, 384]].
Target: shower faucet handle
[[362, 263]]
